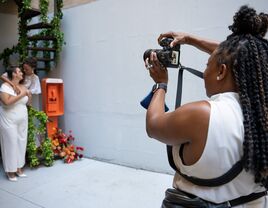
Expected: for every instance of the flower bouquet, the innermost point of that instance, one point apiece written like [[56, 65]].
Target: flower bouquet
[[63, 147]]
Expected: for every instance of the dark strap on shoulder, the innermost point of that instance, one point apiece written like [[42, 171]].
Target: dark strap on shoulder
[[245, 199], [178, 103], [225, 178], [180, 80]]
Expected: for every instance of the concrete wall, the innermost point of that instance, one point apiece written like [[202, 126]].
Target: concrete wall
[[104, 73]]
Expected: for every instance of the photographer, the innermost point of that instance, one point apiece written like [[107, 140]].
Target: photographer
[[210, 136]]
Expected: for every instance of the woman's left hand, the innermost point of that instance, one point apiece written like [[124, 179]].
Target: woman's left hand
[[28, 93], [157, 71]]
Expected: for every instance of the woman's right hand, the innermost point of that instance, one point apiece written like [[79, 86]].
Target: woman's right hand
[[16, 89], [179, 37]]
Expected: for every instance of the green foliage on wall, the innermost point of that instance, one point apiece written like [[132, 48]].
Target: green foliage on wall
[[37, 128], [23, 42]]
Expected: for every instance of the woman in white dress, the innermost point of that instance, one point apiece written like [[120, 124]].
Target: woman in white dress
[[13, 124]]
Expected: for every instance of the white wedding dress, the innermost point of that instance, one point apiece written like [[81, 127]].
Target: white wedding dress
[[13, 131]]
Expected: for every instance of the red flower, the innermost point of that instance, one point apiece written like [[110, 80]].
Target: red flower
[[65, 142], [80, 148]]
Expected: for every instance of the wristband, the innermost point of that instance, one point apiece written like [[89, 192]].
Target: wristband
[[159, 86]]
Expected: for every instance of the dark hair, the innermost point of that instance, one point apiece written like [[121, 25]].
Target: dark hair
[[10, 70], [245, 52], [31, 61]]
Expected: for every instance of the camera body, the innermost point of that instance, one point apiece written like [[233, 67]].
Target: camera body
[[169, 57]]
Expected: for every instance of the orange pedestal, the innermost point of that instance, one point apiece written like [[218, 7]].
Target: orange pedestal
[[53, 103], [52, 125]]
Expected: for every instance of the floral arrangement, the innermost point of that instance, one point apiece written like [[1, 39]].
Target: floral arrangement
[[63, 147]]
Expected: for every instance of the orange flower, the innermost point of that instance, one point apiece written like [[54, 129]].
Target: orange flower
[[55, 142], [63, 146], [62, 154]]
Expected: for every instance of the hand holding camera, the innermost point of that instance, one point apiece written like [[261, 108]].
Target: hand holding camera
[[156, 61], [157, 71], [168, 56], [178, 38]]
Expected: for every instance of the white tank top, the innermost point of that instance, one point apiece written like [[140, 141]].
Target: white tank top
[[224, 147]]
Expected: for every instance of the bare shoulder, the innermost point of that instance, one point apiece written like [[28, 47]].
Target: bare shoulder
[[195, 109], [187, 123], [196, 121], [7, 84]]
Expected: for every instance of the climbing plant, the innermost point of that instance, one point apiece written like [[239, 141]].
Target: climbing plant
[[37, 128], [7, 52], [55, 31], [23, 43], [23, 40], [44, 10]]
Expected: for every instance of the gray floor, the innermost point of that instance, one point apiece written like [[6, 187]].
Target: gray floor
[[86, 183]]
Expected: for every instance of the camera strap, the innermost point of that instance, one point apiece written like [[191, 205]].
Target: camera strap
[[225, 178]]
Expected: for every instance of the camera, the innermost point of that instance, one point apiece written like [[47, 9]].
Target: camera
[[169, 57]]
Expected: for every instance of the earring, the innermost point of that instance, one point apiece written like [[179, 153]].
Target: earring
[[218, 78]]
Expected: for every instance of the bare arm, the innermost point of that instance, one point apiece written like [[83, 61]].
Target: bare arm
[[5, 79], [202, 44], [8, 99], [189, 123]]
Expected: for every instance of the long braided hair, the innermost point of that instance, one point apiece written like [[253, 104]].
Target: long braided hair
[[245, 52]]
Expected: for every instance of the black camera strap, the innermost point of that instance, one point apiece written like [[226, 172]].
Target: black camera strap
[[225, 178]]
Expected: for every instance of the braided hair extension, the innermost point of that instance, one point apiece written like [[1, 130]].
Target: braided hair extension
[[245, 51]]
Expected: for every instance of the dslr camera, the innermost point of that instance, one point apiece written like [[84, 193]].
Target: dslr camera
[[169, 57]]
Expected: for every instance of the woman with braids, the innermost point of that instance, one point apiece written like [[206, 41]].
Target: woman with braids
[[210, 136]]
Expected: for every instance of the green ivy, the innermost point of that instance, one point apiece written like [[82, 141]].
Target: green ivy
[[23, 43], [47, 152], [44, 10], [35, 155], [26, 4], [56, 32], [7, 52]]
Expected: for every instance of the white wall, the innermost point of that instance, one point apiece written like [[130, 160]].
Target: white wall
[[104, 73]]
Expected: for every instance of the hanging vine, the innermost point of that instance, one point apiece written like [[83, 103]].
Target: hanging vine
[[7, 52], [44, 10], [23, 43], [23, 40], [56, 30], [43, 154]]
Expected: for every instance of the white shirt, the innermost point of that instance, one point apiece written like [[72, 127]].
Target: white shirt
[[32, 83], [224, 147]]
